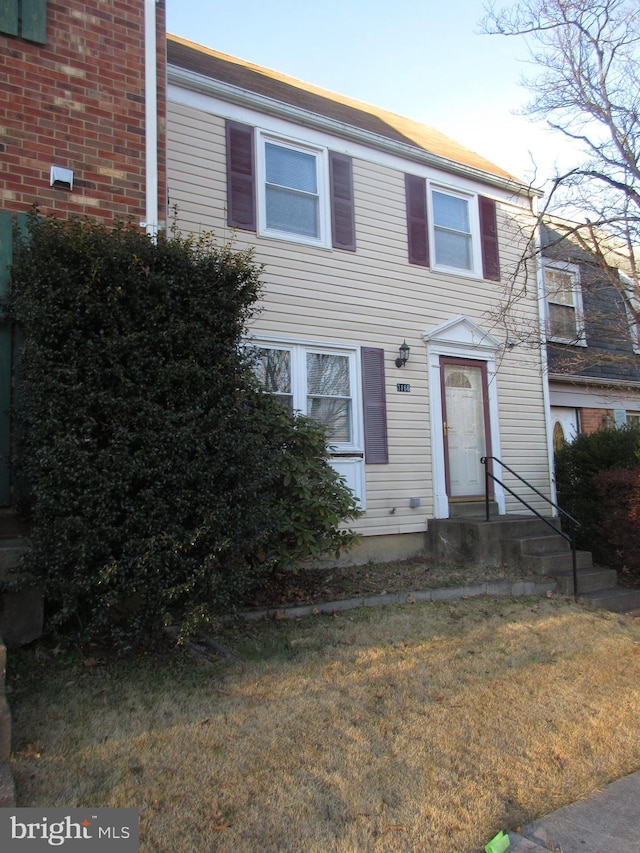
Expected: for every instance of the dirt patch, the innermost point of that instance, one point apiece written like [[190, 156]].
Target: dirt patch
[[315, 585]]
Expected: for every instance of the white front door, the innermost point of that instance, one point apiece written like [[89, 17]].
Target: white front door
[[464, 426], [565, 425]]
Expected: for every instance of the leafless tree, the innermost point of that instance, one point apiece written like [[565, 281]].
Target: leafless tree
[[585, 83]]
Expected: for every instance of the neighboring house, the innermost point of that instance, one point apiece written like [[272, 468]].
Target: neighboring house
[[82, 114], [376, 232], [593, 350], [81, 133]]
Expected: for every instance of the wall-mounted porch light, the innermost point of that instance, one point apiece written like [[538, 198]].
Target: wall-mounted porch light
[[403, 358]]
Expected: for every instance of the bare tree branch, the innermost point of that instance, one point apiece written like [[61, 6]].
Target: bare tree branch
[[585, 82]]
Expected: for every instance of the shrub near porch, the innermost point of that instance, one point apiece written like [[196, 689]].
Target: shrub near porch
[[161, 482]]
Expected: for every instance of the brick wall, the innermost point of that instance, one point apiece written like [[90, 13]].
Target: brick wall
[[78, 101], [592, 420]]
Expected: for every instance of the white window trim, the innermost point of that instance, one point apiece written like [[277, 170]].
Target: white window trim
[[634, 325], [348, 458], [324, 212], [474, 224], [298, 352], [576, 289]]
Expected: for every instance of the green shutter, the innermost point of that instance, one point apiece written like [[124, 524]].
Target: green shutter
[[34, 20], [6, 254], [9, 17]]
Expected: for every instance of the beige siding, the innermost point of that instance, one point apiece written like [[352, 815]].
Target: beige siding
[[372, 297]]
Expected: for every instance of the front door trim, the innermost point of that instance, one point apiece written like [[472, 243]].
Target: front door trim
[[461, 338], [446, 416]]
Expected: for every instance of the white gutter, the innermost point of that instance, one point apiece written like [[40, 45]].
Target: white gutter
[[151, 118], [542, 318], [215, 88]]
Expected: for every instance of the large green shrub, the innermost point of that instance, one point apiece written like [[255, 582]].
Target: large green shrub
[[619, 494], [160, 480], [578, 466]]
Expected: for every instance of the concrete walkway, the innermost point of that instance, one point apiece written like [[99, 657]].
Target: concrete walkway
[[607, 822]]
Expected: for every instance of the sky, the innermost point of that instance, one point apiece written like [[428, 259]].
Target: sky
[[423, 59]]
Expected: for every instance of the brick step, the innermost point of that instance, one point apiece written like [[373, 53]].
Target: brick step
[[472, 509], [554, 562], [535, 545], [589, 580], [618, 599]]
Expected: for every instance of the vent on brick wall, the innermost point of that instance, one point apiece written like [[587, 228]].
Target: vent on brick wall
[[61, 177]]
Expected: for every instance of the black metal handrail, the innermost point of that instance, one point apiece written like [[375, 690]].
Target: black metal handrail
[[489, 474]]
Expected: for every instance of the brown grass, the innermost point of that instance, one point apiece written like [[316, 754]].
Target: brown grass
[[421, 728]]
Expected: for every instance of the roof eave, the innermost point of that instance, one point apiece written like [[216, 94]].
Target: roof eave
[[576, 379], [195, 82]]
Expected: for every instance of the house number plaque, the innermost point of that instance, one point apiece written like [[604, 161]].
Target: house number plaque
[[404, 386]]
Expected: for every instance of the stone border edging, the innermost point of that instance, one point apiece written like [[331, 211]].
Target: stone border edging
[[507, 588]]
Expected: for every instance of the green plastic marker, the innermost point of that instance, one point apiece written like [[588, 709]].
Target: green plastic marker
[[498, 844]]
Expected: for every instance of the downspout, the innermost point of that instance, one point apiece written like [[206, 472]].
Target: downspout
[[542, 317], [151, 119]]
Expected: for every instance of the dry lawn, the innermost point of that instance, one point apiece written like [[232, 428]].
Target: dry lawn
[[423, 728]]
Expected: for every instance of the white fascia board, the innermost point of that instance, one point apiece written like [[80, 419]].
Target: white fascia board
[[198, 83], [594, 395]]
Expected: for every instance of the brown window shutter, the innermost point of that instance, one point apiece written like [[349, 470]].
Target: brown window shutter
[[489, 238], [241, 191], [376, 447], [416, 201], [343, 227]]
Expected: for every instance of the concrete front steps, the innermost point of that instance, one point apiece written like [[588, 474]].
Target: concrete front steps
[[526, 543]]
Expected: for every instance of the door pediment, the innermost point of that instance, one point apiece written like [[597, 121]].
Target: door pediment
[[461, 332]]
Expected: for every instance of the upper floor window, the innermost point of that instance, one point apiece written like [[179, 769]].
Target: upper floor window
[[293, 191], [289, 190], [451, 230], [564, 303], [632, 307], [452, 234]]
